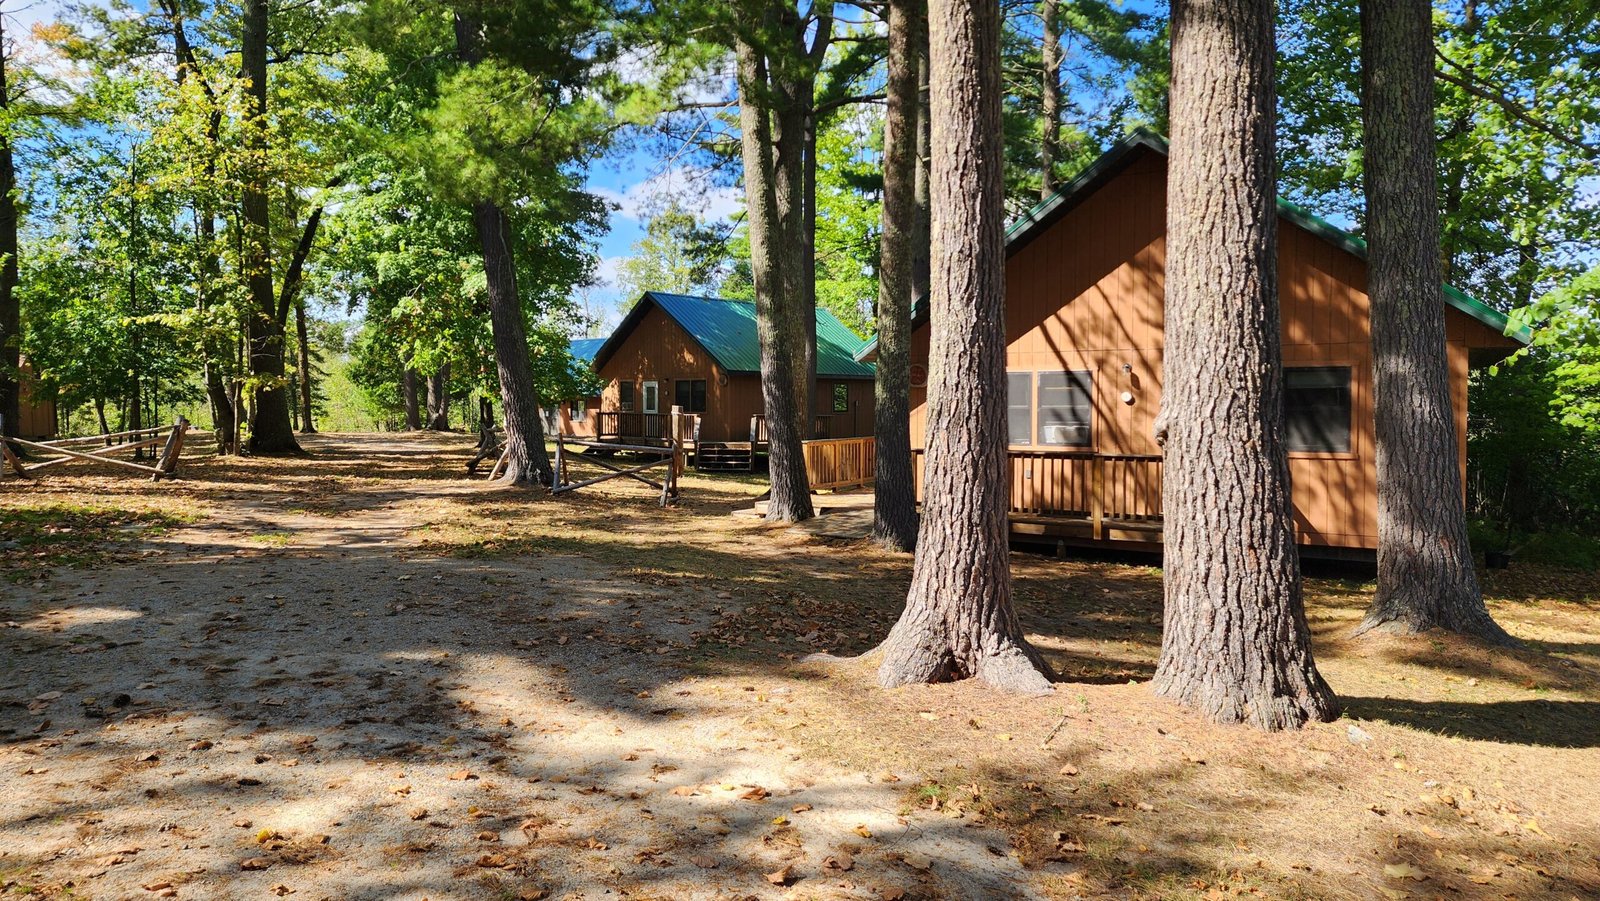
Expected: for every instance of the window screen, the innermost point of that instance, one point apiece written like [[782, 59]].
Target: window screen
[[1066, 408], [579, 410], [841, 397], [690, 394], [625, 396], [1316, 409], [1019, 405]]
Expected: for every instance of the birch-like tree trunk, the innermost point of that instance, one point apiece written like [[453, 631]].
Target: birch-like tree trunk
[[894, 489], [1235, 644], [1426, 577], [959, 621]]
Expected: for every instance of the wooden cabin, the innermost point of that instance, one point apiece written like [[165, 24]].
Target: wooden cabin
[[702, 354], [577, 416], [38, 417], [1084, 305]]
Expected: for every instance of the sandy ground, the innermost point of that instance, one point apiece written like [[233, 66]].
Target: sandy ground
[[359, 676], [281, 703]]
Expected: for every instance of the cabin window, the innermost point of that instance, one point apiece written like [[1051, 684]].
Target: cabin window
[[1316, 409], [690, 395], [1019, 406], [652, 397], [577, 410], [625, 396], [841, 397], [1066, 408]]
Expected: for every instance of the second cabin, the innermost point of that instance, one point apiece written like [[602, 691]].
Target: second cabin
[[702, 354], [1085, 282]]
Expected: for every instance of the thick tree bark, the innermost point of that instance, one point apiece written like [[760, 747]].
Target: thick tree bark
[[779, 326], [894, 523], [308, 425], [409, 389], [10, 303], [270, 428], [527, 461], [922, 231], [959, 621], [1050, 105], [1235, 644], [1425, 568], [439, 400]]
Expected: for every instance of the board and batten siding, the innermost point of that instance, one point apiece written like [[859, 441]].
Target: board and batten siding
[[1087, 294], [659, 349]]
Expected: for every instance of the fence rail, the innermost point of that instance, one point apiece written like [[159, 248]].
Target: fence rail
[[841, 462], [1125, 488]]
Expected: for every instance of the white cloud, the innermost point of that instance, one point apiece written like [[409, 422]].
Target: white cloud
[[693, 189]]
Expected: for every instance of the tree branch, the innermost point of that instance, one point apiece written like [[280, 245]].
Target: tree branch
[[1472, 85]]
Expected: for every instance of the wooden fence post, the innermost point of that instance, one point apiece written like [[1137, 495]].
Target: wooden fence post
[[561, 464], [1097, 496]]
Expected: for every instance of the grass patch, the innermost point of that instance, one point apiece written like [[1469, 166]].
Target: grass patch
[[36, 539]]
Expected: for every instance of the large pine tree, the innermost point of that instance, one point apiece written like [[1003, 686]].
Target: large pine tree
[[1425, 569], [1235, 644], [895, 495], [959, 621]]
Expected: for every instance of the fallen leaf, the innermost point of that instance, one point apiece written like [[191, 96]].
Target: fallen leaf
[[1068, 770], [280, 890], [757, 794], [781, 877], [462, 775], [800, 808], [863, 831], [255, 863], [1403, 871], [704, 861], [842, 862]]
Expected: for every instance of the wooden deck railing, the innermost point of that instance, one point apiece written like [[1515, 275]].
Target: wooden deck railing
[[841, 462], [1098, 488], [821, 427], [616, 424]]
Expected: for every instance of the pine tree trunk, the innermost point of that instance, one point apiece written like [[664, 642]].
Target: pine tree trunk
[[1050, 105], [308, 425], [894, 522], [959, 621], [10, 303], [1235, 644], [778, 327], [1425, 567], [439, 400], [922, 232], [270, 428], [409, 390], [527, 461]]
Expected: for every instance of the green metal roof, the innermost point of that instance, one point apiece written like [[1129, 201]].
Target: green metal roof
[[726, 330], [1113, 162]]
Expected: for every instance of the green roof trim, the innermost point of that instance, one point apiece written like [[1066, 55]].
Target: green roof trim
[[1047, 212], [726, 331]]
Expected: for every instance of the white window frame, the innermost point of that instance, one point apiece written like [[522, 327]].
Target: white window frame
[[650, 399]]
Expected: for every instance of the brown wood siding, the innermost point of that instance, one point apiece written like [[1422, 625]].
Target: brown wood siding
[[659, 349], [1088, 295], [37, 419]]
